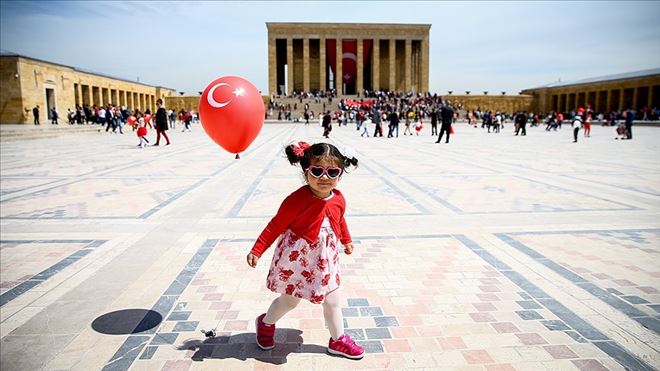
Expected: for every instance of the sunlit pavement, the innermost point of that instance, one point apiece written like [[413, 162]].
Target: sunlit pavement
[[492, 252]]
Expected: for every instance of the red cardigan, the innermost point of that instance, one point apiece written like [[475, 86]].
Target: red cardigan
[[303, 213]]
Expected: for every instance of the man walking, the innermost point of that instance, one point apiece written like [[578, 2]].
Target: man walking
[[394, 124], [521, 122], [327, 124], [161, 123], [630, 117], [53, 116], [446, 115], [35, 113], [376, 119], [434, 122]]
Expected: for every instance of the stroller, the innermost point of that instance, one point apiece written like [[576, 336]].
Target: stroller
[[621, 132]]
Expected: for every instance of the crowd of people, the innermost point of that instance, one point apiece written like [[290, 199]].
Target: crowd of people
[[376, 107], [114, 119], [413, 111]]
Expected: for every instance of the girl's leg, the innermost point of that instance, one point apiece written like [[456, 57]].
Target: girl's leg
[[279, 307], [333, 315]]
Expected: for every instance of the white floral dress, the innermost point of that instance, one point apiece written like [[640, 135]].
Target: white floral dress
[[304, 270]]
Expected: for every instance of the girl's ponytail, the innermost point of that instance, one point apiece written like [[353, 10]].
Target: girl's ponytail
[[296, 152], [291, 155], [350, 161]]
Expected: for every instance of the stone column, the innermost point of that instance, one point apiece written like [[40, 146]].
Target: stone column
[[90, 93], [375, 64], [272, 66], [289, 65], [407, 65], [392, 65], [339, 75], [650, 97], [608, 101], [79, 92], [425, 65], [359, 84], [306, 64], [322, 69]]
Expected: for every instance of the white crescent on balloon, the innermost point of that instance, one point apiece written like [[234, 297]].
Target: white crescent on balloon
[[213, 102]]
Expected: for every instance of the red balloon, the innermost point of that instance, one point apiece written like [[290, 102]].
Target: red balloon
[[131, 120], [231, 110], [147, 119]]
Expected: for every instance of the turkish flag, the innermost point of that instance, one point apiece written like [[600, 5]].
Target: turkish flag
[[349, 57], [349, 61]]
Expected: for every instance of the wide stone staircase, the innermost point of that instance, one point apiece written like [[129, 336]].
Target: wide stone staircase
[[10, 132]]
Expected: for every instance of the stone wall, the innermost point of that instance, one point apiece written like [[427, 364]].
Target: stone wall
[[501, 103], [11, 107], [182, 102], [191, 102], [28, 82]]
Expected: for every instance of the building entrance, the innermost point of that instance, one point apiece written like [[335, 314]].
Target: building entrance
[[50, 101]]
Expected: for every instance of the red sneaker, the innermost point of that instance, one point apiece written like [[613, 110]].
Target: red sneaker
[[265, 333], [345, 346]]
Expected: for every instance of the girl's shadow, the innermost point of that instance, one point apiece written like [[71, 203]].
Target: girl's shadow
[[244, 346]]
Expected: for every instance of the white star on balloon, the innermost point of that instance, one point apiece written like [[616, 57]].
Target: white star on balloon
[[239, 92]]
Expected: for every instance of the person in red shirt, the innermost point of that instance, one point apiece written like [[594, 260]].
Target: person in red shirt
[[310, 225]]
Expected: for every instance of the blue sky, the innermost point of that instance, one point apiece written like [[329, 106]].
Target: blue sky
[[477, 46]]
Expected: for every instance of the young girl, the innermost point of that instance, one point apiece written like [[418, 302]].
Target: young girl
[[311, 225], [587, 125], [142, 133]]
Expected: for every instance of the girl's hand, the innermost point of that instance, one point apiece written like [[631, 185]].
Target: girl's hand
[[252, 260], [348, 248]]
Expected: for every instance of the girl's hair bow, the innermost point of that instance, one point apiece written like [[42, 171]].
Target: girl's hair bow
[[300, 149]]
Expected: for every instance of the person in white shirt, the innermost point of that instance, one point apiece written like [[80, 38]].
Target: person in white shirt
[[577, 125], [365, 127]]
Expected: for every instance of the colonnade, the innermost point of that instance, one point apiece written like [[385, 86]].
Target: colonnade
[[349, 58], [607, 100], [92, 95]]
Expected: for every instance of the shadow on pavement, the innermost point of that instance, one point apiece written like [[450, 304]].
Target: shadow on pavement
[[243, 346]]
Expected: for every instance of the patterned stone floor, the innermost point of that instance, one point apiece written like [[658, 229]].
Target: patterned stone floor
[[493, 252]]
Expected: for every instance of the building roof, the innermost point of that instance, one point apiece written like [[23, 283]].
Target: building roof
[[7, 53], [348, 24], [590, 80]]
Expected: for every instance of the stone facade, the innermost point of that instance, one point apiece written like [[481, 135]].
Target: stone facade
[[186, 102], [386, 57], [610, 93], [27, 82], [495, 103]]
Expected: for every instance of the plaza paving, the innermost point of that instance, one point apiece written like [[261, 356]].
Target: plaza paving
[[493, 252]]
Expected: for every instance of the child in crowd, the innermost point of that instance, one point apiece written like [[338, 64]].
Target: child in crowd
[[418, 125], [577, 125], [365, 126], [142, 133], [587, 125], [311, 226]]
